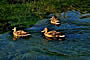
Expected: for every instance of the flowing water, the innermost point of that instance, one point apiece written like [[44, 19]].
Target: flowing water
[[76, 45]]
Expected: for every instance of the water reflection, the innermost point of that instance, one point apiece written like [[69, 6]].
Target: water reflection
[[17, 37]]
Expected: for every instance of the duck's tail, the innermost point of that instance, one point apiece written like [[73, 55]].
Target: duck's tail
[[62, 36], [28, 34], [57, 23], [25, 35]]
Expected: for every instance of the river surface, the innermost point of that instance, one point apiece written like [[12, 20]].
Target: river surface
[[76, 45]]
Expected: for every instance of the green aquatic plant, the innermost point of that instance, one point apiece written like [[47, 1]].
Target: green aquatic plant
[[28, 13]]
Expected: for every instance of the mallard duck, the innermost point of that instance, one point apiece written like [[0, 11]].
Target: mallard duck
[[19, 33], [54, 21], [52, 34]]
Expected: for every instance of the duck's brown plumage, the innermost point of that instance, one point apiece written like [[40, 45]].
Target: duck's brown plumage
[[53, 34], [54, 21], [19, 33]]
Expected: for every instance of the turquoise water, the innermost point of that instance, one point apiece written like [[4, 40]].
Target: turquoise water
[[76, 45]]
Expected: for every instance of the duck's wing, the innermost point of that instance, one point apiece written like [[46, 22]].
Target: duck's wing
[[58, 33], [52, 32], [19, 31], [24, 32]]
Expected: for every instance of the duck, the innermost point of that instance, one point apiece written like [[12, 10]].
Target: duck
[[19, 33], [54, 21], [53, 34]]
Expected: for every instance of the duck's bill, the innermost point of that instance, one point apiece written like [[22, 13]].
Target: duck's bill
[[62, 36]]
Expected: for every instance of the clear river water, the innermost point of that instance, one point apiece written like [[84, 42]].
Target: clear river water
[[76, 45]]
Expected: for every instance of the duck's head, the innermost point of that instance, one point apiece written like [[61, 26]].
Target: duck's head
[[14, 29], [45, 30], [53, 17]]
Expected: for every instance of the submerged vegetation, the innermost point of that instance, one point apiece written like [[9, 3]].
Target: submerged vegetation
[[23, 13]]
